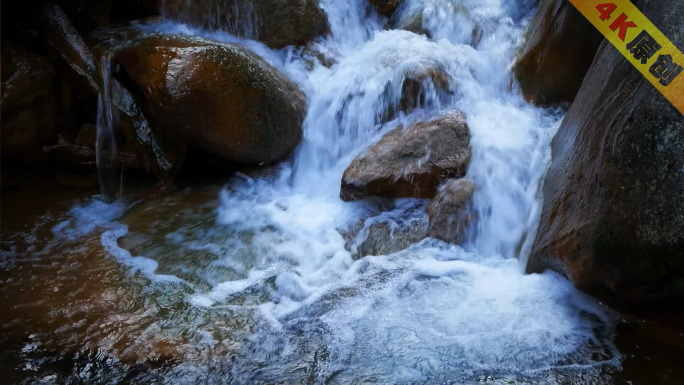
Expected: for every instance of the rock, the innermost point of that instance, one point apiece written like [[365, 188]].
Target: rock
[[68, 153], [385, 7], [220, 98], [561, 44], [161, 153], [411, 20], [77, 180], [29, 107], [413, 88], [613, 213], [277, 23], [385, 238], [87, 135], [451, 210], [411, 162], [70, 46]]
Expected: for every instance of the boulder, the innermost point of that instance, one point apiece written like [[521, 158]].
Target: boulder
[[30, 105], [561, 44], [613, 213], [220, 98], [161, 153], [451, 211], [385, 7], [411, 162], [277, 23]]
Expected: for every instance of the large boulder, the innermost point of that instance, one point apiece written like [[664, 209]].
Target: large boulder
[[560, 46], [451, 211], [220, 98], [163, 154], [613, 213], [411, 162], [277, 23]]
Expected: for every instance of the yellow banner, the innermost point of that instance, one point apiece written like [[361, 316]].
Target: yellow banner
[[641, 43]]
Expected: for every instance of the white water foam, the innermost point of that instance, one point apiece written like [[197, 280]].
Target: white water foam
[[433, 310]]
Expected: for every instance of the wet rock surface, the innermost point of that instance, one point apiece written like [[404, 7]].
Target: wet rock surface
[[411, 162], [385, 7], [30, 105], [221, 98], [561, 44], [613, 215], [451, 211], [277, 23]]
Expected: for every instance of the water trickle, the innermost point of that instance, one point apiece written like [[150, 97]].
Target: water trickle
[[109, 168]]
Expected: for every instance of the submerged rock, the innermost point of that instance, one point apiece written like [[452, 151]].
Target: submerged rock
[[451, 210], [613, 214], [560, 47], [277, 23], [220, 98], [411, 162]]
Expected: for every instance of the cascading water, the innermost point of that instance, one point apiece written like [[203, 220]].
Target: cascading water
[[109, 168], [263, 286]]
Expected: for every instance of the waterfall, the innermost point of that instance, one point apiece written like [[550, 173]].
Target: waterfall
[[276, 253], [109, 168]]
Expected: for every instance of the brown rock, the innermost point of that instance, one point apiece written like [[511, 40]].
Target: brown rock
[[410, 162], [221, 98], [87, 135], [29, 104], [451, 210], [277, 23], [613, 214], [560, 47], [385, 7]]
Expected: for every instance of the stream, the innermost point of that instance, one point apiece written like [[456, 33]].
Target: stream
[[264, 279]]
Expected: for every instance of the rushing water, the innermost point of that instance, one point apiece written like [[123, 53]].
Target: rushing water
[[260, 283]]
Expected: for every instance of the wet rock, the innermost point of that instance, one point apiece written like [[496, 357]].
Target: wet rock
[[220, 98], [30, 107], [70, 46], [613, 214], [70, 154], [561, 44], [411, 20], [451, 210], [416, 84], [161, 153], [277, 23], [385, 238], [385, 7], [411, 162], [87, 135]]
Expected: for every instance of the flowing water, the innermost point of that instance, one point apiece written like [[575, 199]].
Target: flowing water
[[261, 282], [109, 168]]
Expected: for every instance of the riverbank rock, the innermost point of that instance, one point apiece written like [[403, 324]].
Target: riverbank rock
[[411, 162], [277, 23], [561, 44], [451, 211], [220, 98], [613, 214], [385, 7], [30, 105]]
